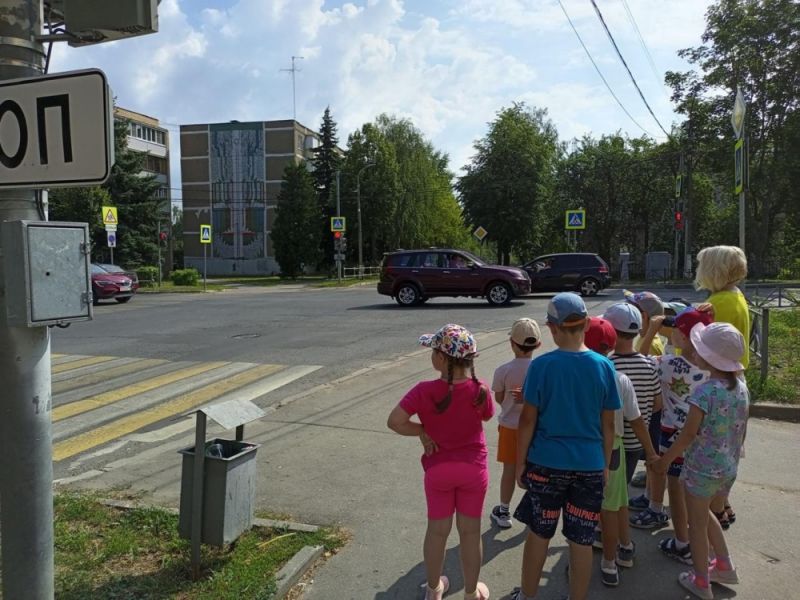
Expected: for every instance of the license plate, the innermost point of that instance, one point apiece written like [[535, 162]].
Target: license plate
[[124, 288]]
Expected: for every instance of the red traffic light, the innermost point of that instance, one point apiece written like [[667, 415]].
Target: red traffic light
[[678, 216], [337, 235], [163, 236]]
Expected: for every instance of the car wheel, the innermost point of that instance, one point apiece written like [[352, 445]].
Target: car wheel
[[498, 294], [124, 300], [589, 287], [407, 295]]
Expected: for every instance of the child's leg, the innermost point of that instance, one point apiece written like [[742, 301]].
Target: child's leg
[[433, 550], [507, 483], [656, 483], [611, 526], [533, 557], [582, 509], [470, 549], [677, 509], [698, 509], [580, 570], [440, 494], [715, 535], [624, 530]]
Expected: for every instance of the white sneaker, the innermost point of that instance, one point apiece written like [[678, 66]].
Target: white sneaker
[[502, 517], [723, 577]]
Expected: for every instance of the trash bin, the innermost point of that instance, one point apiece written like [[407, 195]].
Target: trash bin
[[229, 491]]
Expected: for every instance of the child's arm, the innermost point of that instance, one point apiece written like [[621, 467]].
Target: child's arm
[[525, 429], [658, 403], [650, 334], [687, 436], [607, 420], [640, 430], [400, 422]]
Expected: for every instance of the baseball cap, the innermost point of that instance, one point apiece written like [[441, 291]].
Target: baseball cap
[[720, 344], [687, 319], [676, 306], [647, 302], [454, 340], [566, 308], [624, 317], [525, 332], [600, 335]]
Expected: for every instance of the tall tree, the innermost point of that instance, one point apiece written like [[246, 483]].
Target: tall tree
[[295, 231], [509, 180], [326, 162]]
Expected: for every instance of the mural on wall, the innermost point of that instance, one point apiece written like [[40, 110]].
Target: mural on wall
[[238, 194]]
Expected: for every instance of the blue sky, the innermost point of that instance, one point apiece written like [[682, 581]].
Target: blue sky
[[448, 65]]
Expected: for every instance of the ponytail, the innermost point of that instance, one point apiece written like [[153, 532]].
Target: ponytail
[[481, 397], [453, 362], [442, 405]]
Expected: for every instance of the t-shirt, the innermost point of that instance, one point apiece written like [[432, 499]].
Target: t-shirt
[[641, 370], [656, 346], [458, 431], [679, 379], [716, 450], [730, 306], [630, 408], [508, 377], [570, 390]]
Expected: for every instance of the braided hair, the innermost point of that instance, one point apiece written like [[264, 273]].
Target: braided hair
[[463, 363]]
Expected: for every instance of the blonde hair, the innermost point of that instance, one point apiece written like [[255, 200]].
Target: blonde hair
[[719, 267]]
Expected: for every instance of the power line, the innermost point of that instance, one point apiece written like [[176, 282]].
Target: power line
[[600, 73], [625, 64], [649, 56]]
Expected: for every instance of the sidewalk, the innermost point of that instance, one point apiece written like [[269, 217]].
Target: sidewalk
[[328, 458]]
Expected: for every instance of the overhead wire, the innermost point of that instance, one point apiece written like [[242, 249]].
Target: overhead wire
[[646, 50], [625, 64], [599, 72]]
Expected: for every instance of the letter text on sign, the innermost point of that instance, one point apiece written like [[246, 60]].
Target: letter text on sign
[[58, 101], [12, 162]]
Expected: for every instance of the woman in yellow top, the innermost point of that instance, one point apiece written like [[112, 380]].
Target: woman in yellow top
[[719, 270]]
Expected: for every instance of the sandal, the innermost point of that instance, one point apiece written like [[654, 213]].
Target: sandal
[[730, 513], [481, 590], [723, 519], [444, 585]]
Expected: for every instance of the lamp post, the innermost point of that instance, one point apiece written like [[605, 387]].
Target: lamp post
[[358, 203]]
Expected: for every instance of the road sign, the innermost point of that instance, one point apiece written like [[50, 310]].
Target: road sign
[[112, 239], [110, 215], [111, 227], [738, 114], [575, 219], [738, 159], [338, 224], [205, 234], [338, 257], [480, 233], [56, 130]]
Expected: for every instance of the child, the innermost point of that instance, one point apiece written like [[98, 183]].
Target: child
[[564, 443], [679, 378], [451, 410], [618, 549], [712, 439], [719, 270], [525, 337]]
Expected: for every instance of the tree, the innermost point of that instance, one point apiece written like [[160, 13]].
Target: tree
[[326, 163], [510, 178], [295, 231]]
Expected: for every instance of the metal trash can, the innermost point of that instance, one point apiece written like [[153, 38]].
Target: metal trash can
[[229, 491]]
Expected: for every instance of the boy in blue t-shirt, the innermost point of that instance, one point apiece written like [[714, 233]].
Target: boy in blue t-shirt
[[570, 397]]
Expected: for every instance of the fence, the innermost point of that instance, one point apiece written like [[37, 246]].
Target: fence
[[774, 295], [759, 338], [360, 272]]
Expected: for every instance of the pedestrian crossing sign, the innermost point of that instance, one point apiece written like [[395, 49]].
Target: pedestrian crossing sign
[[109, 214], [205, 234], [576, 219], [337, 224]]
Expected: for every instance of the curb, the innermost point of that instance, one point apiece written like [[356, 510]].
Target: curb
[[293, 570], [775, 412]]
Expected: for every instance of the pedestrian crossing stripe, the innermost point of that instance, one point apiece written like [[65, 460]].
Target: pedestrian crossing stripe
[[575, 220], [205, 234]]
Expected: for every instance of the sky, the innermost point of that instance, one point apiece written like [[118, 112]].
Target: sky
[[447, 65]]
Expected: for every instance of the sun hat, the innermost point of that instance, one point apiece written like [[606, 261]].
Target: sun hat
[[525, 332], [687, 319], [454, 340], [566, 308], [600, 335], [676, 306], [720, 345], [647, 302], [624, 317]]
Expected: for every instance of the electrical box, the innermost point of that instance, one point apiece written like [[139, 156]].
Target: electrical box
[[47, 273], [95, 21]]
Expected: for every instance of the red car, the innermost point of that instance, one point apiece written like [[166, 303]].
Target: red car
[[110, 282]]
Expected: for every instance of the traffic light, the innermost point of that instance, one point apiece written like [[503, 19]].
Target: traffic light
[[337, 235], [678, 220], [343, 245]]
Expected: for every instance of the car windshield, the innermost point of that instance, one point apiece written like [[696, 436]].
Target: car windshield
[[111, 268], [473, 258], [98, 270]]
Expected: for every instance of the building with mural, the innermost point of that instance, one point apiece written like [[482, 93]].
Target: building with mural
[[231, 177]]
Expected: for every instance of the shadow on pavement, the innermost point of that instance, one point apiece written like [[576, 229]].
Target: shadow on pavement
[[437, 306]]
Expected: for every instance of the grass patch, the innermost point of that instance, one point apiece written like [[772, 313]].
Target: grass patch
[[167, 287], [105, 552], [347, 282], [267, 281], [783, 382]]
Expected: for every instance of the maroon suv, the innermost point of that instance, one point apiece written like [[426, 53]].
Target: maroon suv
[[413, 276]]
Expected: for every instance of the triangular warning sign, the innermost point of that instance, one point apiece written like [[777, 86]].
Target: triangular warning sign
[[110, 218], [206, 235], [337, 223], [575, 220]]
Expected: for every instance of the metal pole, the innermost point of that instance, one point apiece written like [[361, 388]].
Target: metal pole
[[741, 196], [158, 241], [765, 344], [338, 214], [205, 267], [26, 472], [360, 238], [197, 491], [112, 255]]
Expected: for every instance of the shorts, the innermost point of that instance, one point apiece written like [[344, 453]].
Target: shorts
[[506, 445], [703, 486], [632, 458], [654, 428], [668, 437], [456, 487], [578, 493], [615, 494]]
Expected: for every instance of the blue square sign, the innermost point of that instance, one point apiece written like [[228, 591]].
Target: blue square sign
[[575, 219]]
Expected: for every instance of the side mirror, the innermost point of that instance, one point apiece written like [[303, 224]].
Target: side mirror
[[470, 265]]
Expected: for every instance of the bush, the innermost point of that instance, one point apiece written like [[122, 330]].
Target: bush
[[186, 277], [148, 276]]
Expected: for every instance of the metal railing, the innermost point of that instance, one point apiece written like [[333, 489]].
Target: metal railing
[[360, 272], [776, 295], [759, 338]]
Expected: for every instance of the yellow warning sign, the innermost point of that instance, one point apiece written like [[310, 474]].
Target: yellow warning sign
[[110, 215], [205, 234]]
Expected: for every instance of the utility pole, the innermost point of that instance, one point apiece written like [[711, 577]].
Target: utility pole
[[26, 472], [338, 214], [293, 71], [358, 202], [688, 216]]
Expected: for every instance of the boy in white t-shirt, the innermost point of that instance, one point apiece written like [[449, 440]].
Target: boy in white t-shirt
[[525, 337]]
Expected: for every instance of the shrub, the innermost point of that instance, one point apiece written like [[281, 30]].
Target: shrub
[[186, 277], [148, 276]]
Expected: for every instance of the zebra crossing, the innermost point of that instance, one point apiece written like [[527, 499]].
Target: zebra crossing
[[98, 400]]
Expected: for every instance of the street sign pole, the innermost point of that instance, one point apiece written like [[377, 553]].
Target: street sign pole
[[740, 131], [205, 268], [26, 474], [338, 213]]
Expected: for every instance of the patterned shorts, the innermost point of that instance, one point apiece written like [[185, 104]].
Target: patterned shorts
[[668, 437], [703, 486]]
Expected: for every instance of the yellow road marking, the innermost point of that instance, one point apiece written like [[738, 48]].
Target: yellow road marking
[[77, 364], [56, 355], [106, 374], [75, 408], [125, 425]]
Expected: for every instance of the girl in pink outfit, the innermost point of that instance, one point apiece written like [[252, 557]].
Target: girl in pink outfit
[[451, 411]]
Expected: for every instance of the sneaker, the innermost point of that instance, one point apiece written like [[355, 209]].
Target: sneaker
[[502, 517], [639, 480], [724, 577], [625, 555], [598, 539], [670, 548], [649, 519], [639, 503], [609, 577], [687, 580]]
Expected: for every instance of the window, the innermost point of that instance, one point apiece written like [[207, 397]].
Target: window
[[455, 261], [431, 260], [400, 260]]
